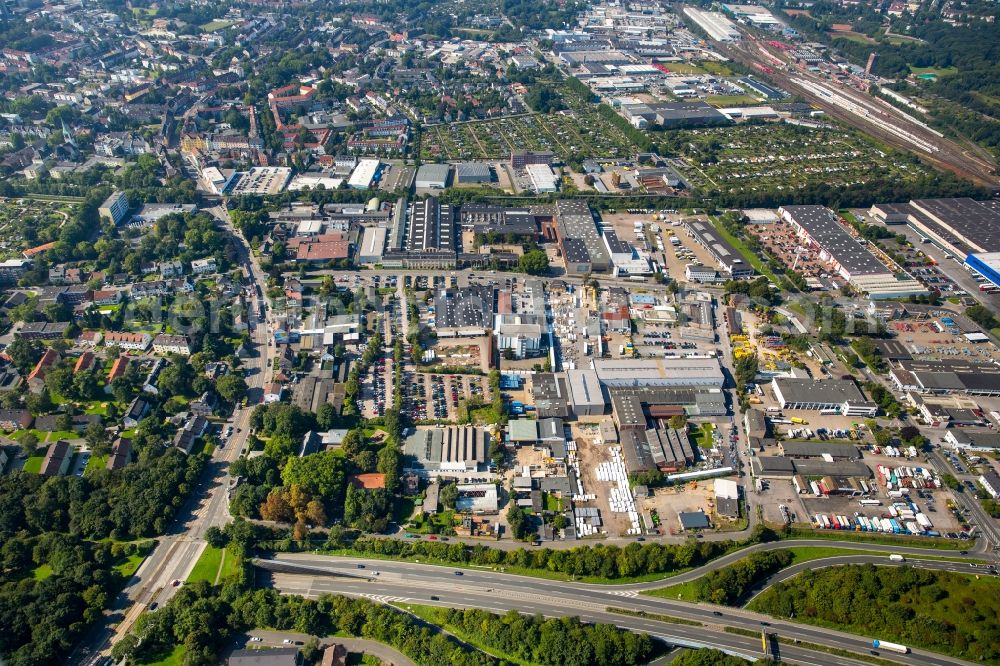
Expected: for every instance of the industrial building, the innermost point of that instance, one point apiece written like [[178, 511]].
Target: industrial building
[[472, 172], [665, 449], [666, 372], [728, 258], [439, 451], [948, 376], [848, 256], [520, 159], [498, 220], [819, 450], [963, 227], [673, 114], [464, 312], [551, 395], [582, 245], [716, 25], [519, 335], [586, 393], [543, 179], [363, 174], [433, 176], [821, 226], [372, 245], [841, 396]]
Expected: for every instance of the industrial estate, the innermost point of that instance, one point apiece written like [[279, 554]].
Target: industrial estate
[[490, 332]]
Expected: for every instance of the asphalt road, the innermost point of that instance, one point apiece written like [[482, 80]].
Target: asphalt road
[[176, 553], [401, 583]]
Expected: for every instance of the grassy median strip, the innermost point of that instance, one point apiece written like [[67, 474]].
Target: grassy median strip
[[654, 616], [692, 589]]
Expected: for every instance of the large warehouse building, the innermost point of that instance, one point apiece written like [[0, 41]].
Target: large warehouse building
[[849, 257], [715, 24], [725, 254], [965, 228], [581, 243], [834, 395], [668, 372]]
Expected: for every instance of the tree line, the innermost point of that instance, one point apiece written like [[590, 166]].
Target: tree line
[[604, 561], [729, 584], [550, 642]]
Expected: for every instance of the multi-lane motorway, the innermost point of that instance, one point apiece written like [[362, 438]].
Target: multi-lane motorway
[[402, 582]]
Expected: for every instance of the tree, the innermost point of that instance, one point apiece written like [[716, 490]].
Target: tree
[[24, 354], [29, 444], [533, 262], [448, 495], [216, 538], [232, 388], [678, 422], [97, 439]]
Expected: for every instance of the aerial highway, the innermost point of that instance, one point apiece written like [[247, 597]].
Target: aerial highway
[[403, 582]]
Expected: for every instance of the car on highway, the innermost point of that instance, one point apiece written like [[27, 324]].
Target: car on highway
[[256, 639], [175, 582], [717, 613], [288, 641], [434, 598], [360, 566], [459, 573]]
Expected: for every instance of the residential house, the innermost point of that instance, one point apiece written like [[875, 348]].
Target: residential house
[[273, 392], [136, 411], [185, 438], [90, 338], [203, 266], [15, 419], [85, 363], [170, 269], [203, 406], [117, 370], [171, 344], [107, 297], [335, 655], [121, 453], [133, 341], [57, 459], [36, 380], [78, 423]]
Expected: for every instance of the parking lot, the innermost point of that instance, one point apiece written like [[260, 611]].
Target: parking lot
[[437, 397]]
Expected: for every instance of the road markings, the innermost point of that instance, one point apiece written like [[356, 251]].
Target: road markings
[[631, 594], [384, 599]]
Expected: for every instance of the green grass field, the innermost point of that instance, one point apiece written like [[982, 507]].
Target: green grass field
[[95, 463], [742, 248], [33, 465], [130, 565], [936, 71], [731, 100], [684, 68], [214, 566], [703, 435], [213, 26], [175, 658]]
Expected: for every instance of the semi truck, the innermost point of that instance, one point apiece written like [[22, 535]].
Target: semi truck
[[892, 647]]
